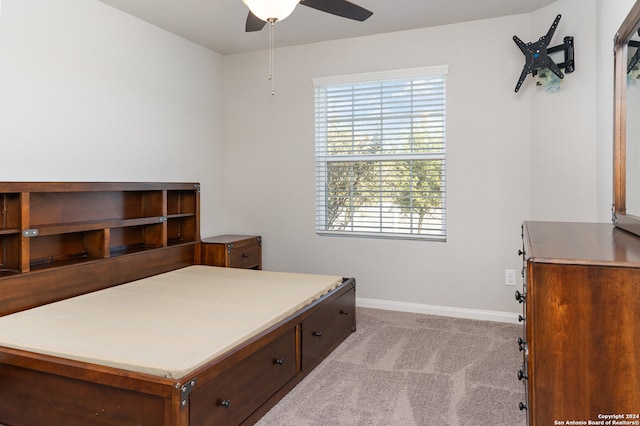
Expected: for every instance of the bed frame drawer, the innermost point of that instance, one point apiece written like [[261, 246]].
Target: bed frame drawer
[[324, 330], [232, 396]]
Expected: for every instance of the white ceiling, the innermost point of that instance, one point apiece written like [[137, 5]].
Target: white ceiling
[[219, 24]]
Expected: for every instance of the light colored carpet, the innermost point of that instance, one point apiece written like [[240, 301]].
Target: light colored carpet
[[412, 369]]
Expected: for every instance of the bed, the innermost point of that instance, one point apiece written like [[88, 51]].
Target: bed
[[150, 336]]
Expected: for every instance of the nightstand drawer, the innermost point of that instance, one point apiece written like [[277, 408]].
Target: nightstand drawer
[[246, 257], [233, 251]]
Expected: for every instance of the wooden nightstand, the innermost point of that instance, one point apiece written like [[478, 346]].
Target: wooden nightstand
[[233, 251]]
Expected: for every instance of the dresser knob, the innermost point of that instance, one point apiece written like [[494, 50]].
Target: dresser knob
[[343, 312], [317, 333], [279, 361], [521, 375], [521, 253], [522, 406], [245, 255], [521, 343], [226, 403], [520, 297], [520, 318]]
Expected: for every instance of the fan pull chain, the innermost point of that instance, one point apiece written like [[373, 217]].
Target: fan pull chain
[[272, 60]]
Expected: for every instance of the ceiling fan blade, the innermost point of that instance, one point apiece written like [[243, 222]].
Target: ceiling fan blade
[[340, 8], [254, 23]]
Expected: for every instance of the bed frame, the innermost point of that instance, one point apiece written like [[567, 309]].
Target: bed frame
[[59, 240]]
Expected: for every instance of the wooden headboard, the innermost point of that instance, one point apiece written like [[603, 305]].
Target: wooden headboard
[[63, 239]]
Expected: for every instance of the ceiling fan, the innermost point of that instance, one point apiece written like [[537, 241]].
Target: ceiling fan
[[271, 11], [263, 11]]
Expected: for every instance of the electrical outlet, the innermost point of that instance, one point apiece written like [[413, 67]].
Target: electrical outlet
[[510, 277]]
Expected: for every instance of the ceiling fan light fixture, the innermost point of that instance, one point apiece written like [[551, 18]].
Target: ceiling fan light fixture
[[271, 9]]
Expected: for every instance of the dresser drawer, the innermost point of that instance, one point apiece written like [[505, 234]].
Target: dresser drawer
[[232, 396], [322, 331]]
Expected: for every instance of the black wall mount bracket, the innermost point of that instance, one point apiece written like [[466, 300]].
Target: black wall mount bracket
[[633, 59], [537, 55]]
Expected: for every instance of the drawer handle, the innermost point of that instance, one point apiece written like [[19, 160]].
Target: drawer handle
[[521, 343], [522, 406], [520, 318], [520, 297], [226, 403], [520, 252], [279, 361], [317, 333], [521, 375], [343, 312], [245, 255]]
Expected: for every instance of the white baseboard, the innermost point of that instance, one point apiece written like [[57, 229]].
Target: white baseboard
[[447, 311]]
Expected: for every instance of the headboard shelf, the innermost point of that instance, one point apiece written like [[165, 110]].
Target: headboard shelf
[[123, 250], [94, 225], [181, 202], [45, 226], [45, 263], [9, 231]]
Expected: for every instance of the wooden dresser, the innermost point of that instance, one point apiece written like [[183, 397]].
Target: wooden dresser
[[581, 316]]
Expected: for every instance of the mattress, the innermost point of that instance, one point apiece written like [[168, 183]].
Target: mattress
[[166, 325]]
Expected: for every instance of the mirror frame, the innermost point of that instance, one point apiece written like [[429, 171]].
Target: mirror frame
[[619, 216]]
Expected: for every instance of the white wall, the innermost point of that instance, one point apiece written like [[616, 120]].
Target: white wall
[[88, 93], [564, 143], [269, 163]]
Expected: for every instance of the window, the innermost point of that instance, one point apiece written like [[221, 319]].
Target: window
[[380, 154]]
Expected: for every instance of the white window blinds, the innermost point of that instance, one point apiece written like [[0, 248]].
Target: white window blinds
[[380, 154]]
